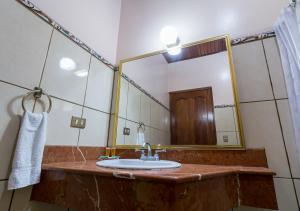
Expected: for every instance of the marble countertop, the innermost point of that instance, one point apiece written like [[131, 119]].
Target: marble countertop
[[186, 173]]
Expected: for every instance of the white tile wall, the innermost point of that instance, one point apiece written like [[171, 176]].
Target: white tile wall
[[147, 134], [262, 129], [157, 116], [59, 131], [21, 199], [252, 72], [134, 102], [261, 120], [22, 52], [145, 109], [166, 120], [232, 138], [5, 196], [96, 130], [156, 136], [100, 84], [123, 98], [297, 185], [132, 138], [285, 194], [288, 134], [120, 136], [21, 202], [224, 119], [65, 84], [274, 62]]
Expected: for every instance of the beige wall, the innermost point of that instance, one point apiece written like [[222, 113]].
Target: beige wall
[[141, 21], [29, 56]]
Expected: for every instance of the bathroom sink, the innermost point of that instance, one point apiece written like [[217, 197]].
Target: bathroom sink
[[138, 164]]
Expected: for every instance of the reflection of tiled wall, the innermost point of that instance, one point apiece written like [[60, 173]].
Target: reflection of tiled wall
[[134, 107], [226, 126], [266, 116], [30, 54]]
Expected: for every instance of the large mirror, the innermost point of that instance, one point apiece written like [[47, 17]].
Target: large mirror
[[188, 100]]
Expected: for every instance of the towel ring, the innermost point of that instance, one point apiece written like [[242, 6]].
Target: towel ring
[[37, 93], [142, 126]]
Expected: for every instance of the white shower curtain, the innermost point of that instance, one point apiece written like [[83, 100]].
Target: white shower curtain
[[287, 30]]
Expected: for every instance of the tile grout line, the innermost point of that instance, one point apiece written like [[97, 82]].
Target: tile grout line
[[280, 124], [155, 127], [11, 200], [46, 58], [12, 84], [84, 99], [258, 101], [77, 104], [110, 110], [44, 65]]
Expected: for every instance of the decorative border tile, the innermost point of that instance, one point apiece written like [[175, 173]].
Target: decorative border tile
[[142, 90], [252, 38], [68, 34]]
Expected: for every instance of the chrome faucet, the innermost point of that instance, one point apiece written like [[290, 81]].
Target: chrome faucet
[[149, 155], [149, 148]]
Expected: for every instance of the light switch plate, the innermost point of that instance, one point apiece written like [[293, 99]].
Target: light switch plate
[[78, 122]]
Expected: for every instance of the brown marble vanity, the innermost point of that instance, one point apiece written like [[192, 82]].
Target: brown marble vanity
[[84, 186]]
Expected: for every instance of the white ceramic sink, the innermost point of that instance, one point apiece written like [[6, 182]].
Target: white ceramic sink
[[138, 164]]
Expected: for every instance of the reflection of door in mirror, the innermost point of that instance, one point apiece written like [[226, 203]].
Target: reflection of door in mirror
[[192, 118]]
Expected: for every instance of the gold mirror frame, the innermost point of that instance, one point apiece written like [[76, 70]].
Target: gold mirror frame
[[188, 147]]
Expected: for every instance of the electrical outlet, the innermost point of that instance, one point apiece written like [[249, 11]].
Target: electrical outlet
[[225, 139], [126, 131], [78, 122]]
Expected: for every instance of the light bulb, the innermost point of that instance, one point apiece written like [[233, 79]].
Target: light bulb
[[168, 35], [67, 64]]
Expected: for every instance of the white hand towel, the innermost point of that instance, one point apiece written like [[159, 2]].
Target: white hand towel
[[140, 138], [26, 167]]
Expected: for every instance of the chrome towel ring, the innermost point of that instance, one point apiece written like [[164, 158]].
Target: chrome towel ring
[[37, 93]]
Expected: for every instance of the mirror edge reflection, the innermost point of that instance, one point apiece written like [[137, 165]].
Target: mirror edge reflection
[[241, 146]]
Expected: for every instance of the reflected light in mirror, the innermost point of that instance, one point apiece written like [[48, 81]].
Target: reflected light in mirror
[[225, 76], [67, 64], [174, 51], [81, 73]]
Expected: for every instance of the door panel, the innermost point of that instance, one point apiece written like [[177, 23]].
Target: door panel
[[192, 117]]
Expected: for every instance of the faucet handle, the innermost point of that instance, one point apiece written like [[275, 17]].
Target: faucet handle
[[158, 150], [142, 150]]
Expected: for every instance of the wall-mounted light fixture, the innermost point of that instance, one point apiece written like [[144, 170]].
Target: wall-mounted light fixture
[[169, 37]]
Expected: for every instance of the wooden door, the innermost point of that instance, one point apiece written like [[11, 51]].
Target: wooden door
[[192, 117]]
